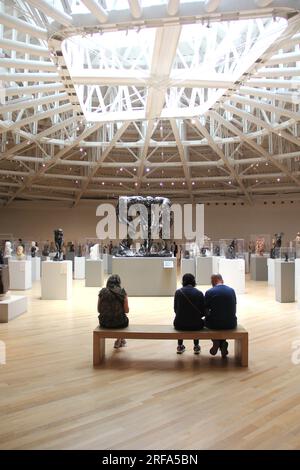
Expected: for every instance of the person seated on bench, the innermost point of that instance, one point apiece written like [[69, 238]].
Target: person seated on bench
[[189, 310], [113, 306], [220, 304]]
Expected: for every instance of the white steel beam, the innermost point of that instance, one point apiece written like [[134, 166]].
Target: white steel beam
[[96, 9], [27, 64], [24, 104], [284, 58], [23, 26], [135, 8], [173, 7], [103, 157], [182, 154], [260, 122], [211, 5], [36, 117], [29, 77], [278, 72], [259, 104], [220, 153], [30, 90], [27, 48], [49, 10], [258, 148]]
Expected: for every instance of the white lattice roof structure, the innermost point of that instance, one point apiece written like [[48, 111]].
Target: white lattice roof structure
[[184, 98]]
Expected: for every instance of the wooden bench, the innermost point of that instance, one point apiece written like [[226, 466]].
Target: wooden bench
[[239, 335]]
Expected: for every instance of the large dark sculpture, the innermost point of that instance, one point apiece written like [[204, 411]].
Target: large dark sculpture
[[231, 250], [4, 281], [276, 245], [59, 239], [148, 248]]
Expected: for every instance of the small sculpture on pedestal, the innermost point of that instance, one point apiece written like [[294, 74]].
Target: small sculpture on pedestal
[[260, 246], [203, 251], [46, 249], [231, 250], [79, 251], [278, 242], [59, 239], [20, 255], [297, 239], [286, 257], [34, 249], [4, 282], [94, 252], [7, 249]]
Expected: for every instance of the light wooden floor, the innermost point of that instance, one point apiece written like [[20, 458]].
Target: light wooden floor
[[146, 396]]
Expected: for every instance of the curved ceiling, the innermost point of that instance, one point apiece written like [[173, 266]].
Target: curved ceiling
[[188, 99]]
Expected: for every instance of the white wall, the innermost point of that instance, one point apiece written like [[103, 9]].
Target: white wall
[[37, 220]]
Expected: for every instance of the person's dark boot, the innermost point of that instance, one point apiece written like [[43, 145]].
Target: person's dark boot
[[214, 349], [224, 349]]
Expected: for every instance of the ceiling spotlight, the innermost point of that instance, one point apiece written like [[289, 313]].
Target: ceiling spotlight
[[147, 169], [103, 183], [172, 183], [193, 183], [135, 184], [121, 169], [278, 179], [193, 121], [161, 184], [229, 182], [81, 149], [183, 184], [121, 184], [134, 169]]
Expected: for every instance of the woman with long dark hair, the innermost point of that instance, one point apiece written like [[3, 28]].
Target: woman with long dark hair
[[113, 307]]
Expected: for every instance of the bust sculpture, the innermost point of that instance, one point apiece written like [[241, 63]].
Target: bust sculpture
[[7, 250], [297, 239], [20, 253], [34, 249], [94, 251], [59, 239]]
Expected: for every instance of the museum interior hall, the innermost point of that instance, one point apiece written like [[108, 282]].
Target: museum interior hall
[[149, 225]]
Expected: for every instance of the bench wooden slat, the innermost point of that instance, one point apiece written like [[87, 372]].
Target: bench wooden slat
[[239, 335], [167, 332]]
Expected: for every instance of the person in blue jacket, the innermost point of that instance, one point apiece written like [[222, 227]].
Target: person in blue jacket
[[220, 305], [189, 310]]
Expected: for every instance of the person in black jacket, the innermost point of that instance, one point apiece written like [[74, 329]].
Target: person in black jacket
[[220, 304], [189, 310]]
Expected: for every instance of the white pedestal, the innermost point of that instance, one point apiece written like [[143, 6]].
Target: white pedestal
[[36, 269], [187, 266], [284, 281], [12, 307], [107, 263], [271, 272], [56, 280], [247, 262], [20, 274], [297, 279], [147, 276], [259, 268], [79, 267], [216, 264], [233, 273], [204, 270], [94, 273]]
